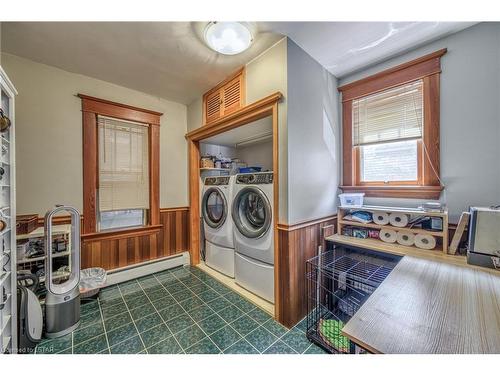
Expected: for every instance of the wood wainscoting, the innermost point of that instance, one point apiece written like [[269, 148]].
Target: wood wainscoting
[[298, 243], [124, 248]]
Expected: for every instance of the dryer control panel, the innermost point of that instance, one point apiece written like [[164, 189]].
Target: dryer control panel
[[219, 180], [255, 178]]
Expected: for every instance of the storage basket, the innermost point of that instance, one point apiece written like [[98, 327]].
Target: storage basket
[[26, 223]]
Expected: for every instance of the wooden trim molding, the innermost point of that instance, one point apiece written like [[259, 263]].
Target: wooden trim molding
[[428, 69], [91, 108], [410, 71], [123, 233], [415, 192], [173, 209], [303, 224], [118, 110], [249, 113]]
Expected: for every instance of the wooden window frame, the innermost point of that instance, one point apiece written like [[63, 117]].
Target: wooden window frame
[[357, 173], [428, 69], [91, 108]]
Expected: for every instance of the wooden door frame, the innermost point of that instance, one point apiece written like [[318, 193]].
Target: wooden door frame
[[267, 106]]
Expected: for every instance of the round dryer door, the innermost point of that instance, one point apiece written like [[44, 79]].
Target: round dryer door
[[214, 207], [252, 212]]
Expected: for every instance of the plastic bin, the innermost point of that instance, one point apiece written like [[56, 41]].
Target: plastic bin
[[250, 169], [351, 199]]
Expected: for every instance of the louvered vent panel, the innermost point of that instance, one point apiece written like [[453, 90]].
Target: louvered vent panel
[[227, 97], [213, 106], [232, 95]]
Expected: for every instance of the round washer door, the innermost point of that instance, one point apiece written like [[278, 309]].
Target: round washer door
[[214, 207], [252, 212]]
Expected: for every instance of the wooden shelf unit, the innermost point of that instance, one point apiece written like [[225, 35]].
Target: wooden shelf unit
[[378, 244]]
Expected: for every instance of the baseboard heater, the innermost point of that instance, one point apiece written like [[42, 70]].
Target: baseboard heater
[[134, 271]]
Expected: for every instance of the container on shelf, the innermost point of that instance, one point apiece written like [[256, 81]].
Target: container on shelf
[[26, 223], [351, 199], [250, 169]]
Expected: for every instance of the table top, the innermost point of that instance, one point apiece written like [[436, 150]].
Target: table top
[[428, 306]]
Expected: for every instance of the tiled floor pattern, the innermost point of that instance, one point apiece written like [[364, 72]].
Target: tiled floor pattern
[[182, 310]]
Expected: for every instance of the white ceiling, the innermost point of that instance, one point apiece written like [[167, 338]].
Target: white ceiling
[[165, 59], [259, 130], [345, 47], [170, 59]]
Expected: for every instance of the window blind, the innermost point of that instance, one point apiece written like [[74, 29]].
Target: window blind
[[123, 165], [391, 115]]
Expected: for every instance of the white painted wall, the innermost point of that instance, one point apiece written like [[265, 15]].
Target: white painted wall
[[470, 116], [257, 155], [313, 138], [49, 135]]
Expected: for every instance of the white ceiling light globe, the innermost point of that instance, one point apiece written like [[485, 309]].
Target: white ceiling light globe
[[228, 38]]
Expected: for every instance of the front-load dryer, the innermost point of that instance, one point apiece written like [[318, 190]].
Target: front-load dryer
[[252, 213], [217, 223]]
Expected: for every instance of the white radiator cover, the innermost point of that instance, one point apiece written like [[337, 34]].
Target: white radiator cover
[[120, 275]]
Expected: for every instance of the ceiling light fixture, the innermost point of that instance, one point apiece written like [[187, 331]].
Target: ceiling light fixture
[[228, 38]]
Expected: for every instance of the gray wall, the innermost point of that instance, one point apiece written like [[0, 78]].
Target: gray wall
[[470, 116], [313, 138]]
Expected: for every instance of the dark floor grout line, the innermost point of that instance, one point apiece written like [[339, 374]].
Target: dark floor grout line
[[133, 322], [103, 326], [195, 322], [229, 324], [163, 320]]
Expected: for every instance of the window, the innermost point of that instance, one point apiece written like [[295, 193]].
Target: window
[[387, 136], [391, 131], [123, 183], [121, 168]]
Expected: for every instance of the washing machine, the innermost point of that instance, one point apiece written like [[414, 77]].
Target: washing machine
[[252, 212], [217, 223]]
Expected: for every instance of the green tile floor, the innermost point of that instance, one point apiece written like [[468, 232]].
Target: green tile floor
[[179, 311]]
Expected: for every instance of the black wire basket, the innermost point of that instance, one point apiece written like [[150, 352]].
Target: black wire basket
[[338, 283]]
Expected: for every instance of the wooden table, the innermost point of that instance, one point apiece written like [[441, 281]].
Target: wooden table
[[430, 306]]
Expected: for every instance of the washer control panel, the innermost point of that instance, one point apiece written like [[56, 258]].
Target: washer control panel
[[219, 180], [255, 178]]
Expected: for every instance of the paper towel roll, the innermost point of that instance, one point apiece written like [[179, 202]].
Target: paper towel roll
[[398, 220], [405, 238], [388, 235], [425, 241], [381, 218]]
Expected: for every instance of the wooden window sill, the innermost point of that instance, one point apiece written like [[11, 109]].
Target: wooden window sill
[[121, 233], [414, 192]]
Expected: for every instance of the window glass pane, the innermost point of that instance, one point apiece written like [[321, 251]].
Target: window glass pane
[[394, 161], [121, 219]]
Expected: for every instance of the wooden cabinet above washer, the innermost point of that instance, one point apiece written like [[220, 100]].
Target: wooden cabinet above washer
[[225, 98]]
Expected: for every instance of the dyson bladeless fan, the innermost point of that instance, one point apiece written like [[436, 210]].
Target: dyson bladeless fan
[[62, 304]]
